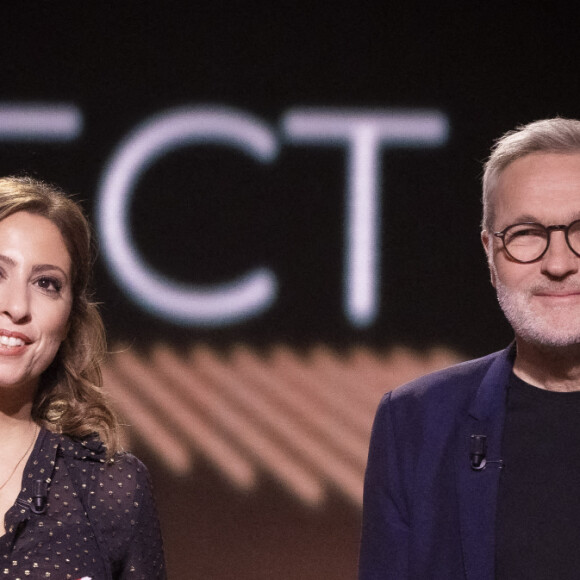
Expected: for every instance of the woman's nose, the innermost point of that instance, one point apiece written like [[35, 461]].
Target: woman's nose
[[14, 302]]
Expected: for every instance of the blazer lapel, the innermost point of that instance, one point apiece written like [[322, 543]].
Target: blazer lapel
[[477, 490]]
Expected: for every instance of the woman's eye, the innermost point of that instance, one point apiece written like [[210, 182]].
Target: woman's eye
[[49, 284]]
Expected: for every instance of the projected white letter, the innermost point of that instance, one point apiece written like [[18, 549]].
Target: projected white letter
[[180, 303], [39, 122], [364, 133]]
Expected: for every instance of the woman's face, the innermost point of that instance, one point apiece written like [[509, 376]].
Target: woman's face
[[35, 297]]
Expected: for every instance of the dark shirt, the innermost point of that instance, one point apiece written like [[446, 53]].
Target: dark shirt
[[539, 502], [97, 518]]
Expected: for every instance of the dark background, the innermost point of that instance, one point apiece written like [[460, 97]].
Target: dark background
[[205, 214], [487, 66]]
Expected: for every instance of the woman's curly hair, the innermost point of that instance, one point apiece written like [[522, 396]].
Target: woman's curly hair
[[69, 398]]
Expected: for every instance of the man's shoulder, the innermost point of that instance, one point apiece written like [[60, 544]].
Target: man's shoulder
[[457, 381], [428, 408]]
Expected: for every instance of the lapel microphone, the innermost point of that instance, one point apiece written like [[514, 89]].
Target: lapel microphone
[[477, 451], [39, 496]]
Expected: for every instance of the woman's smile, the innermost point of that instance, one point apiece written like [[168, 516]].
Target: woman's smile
[[35, 297]]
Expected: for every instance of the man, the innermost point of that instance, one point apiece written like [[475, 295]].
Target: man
[[474, 471]]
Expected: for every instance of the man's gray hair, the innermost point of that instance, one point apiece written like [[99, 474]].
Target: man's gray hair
[[556, 135]]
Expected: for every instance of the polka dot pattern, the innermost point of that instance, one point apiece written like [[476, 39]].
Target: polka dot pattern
[[80, 516]]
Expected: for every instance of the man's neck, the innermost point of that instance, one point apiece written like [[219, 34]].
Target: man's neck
[[550, 368]]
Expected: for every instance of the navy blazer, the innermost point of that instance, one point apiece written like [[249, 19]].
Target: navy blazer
[[427, 513]]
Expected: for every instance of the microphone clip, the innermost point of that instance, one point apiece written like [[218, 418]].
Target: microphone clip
[[478, 453], [39, 496]]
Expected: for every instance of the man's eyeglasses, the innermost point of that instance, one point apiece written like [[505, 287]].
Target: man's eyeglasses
[[528, 242]]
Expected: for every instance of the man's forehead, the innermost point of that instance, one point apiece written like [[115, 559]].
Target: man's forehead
[[558, 161], [539, 187], [541, 170]]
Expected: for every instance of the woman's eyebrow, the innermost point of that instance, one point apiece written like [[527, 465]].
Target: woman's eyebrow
[[7, 260], [38, 268]]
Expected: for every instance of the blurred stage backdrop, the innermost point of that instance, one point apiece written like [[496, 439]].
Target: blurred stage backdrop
[[286, 197]]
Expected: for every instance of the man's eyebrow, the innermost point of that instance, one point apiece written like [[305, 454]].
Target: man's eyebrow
[[526, 217], [520, 219]]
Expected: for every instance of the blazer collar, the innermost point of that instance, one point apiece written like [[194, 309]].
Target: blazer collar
[[477, 490], [489, 398]]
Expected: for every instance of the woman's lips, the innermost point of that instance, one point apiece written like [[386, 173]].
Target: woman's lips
[[13, 343]]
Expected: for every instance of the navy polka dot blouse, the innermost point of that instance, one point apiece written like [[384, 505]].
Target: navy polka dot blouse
[[79, 516]]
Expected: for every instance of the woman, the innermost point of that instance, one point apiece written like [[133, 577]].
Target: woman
[[71, 505]]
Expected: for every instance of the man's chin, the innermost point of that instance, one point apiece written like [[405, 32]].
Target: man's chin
[[553, 328], [549, 339]]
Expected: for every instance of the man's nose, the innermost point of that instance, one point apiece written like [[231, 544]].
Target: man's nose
[[559, 261]]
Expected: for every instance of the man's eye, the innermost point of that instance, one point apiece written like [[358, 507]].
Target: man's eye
[[530, 232], [527, 232]]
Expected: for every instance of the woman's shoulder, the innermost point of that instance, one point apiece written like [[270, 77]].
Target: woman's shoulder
[[89, 448], [121, 471], [127, 470], [116, 486], [117, 497]]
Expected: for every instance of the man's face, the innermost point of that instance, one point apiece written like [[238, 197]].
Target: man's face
[[541, 300]]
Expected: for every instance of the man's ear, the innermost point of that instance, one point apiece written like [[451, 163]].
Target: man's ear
[[487, 242]]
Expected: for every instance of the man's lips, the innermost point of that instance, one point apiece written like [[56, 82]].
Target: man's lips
[[558, 294]]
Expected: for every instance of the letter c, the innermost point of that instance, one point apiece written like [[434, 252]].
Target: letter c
[[185, 304]]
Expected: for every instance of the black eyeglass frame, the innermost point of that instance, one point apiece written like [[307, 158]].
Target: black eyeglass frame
[[548, 230]]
